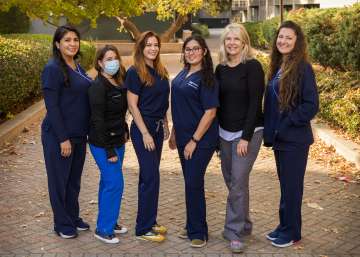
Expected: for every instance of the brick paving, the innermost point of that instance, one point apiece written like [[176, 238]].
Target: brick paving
[[26, 218]]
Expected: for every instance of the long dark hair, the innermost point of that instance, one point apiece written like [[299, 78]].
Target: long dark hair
[[207, 66], [118, 76], [58, 35], [291, 65], [139, 60]]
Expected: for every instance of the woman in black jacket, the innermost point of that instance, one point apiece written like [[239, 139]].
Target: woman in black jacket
[[107, 137]]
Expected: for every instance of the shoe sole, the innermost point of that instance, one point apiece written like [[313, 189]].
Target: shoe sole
[[270, 238], [283, 245], [149, 240], [198, 246], [65, 236], [120, 231], [106, 240], [82, 229]]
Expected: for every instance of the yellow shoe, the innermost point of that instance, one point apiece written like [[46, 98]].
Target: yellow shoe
[[159, 229], [197, 243], [151, 236]]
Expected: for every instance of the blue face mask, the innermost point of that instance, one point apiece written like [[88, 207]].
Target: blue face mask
[[111, 67]]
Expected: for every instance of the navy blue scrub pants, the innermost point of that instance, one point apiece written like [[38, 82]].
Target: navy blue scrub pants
[[64, 179], [111, 188], [291, 166], [194, 173], [149, 175]]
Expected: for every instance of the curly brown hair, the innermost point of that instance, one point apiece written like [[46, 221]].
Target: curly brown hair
[[291, 66]]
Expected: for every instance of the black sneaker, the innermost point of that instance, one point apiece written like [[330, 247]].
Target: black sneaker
[[273, 235], [82, 225], [110, 239], [66, 235]]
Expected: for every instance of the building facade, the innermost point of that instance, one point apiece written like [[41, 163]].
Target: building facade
[[258, 10]]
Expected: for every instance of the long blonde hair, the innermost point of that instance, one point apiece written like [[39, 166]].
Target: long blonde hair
[[139, 60], [247, 52]]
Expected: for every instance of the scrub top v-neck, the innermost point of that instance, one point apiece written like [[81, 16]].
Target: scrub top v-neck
[[189, 101], [153, 100]]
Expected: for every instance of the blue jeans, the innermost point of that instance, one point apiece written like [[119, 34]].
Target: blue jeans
[[111, 188]]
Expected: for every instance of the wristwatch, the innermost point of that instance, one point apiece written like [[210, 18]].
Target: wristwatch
[[195, 140]]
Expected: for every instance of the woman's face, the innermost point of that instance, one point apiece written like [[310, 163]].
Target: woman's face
[[69, 44], [109, 56], [151, 49], [286, 40], [193, 53], [233, 44]]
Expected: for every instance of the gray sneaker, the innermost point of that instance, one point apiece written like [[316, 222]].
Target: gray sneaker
[[236, 246]]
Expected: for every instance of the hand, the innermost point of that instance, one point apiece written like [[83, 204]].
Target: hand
[[242, 147], [172, 141], [113, 159], [148, 142], [189, 150], [65, 148], [166, 131]]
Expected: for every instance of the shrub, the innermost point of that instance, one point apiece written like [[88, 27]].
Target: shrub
[[14, 21], [22, 58], [256, 34], [200, 29]]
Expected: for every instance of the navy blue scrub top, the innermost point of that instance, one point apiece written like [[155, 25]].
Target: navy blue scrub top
[[153, 100], [189, 101], [68, 109]]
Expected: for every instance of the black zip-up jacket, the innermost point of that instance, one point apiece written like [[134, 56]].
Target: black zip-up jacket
[[108, 104]]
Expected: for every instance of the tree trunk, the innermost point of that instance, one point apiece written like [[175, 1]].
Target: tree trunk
[[130, 27], [174, 27]]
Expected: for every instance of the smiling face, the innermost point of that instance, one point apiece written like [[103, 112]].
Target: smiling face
[[69, 45], [193, 53], [286, 40], [151, 49], [233, 44]]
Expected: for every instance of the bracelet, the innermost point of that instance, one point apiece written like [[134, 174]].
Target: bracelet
[[194, 140]]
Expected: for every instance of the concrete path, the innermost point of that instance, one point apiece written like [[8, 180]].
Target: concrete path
[[330, 209]]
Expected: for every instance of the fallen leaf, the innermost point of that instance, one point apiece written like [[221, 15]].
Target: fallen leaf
[[40, 214], [315, 206]]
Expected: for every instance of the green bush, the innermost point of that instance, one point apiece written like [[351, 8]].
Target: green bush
[[200, 29], [22, 58], [14, 21], [333, 35]]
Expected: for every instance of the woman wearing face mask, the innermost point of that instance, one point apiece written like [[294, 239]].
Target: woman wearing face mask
[[291, 101], [148, 97], [241, 82], [194, 99], [64, 129], [107, 137]]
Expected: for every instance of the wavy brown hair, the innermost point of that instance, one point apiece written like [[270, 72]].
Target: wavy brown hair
[[139, 60], [291, 65], [118, 76]]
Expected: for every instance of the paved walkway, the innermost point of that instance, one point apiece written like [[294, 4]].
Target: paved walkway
[[330, 210]]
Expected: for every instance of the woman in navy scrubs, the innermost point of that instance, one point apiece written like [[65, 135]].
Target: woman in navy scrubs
[[64, 129], [291, 102], [148, 99], [241, 82], [194, 99], [107, 137]]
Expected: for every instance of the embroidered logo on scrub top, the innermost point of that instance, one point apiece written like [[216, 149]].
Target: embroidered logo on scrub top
[[193, 85]]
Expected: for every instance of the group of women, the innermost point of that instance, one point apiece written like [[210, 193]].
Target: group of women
[[209, 110]]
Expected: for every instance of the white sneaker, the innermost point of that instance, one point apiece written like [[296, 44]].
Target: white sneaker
[[119, 229], [111, 239]]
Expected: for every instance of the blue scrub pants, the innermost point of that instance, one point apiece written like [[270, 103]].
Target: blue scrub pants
[[111, 188], [291, 166], [64, 179], [194, 173], [149, 175]]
